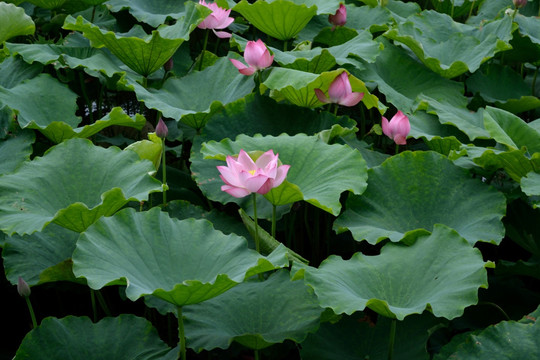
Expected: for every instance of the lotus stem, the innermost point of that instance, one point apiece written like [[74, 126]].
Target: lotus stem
[[273, 221], [204, 49], [164, 167], [257, 246], [181, 335], [452, 11], [85, 97], [93, 301], [496, 307], [31, 310], [256, 354], [103, 303], [397, 149], [471, 10], [336, 106], [533, 88], [284, 45], [392, 339], [93, 14]]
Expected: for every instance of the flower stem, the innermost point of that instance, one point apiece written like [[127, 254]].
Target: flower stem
[[256, 353], [284, 45], [93, 301], [533, 88], [336, 106], [392, 339], [31, 310], [254, 196], [181, 335], [397, 149], [273, 221], [164, 167], [470, 11], [204, 49]]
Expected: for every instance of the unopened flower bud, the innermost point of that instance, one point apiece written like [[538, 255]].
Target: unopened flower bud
[[23, 288], [520, 3], [161, 129], [168, 65]]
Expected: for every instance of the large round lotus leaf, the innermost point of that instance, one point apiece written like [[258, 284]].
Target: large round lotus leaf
[[40, 101], [319, 172], [194, 98], [450, 48], [255, 314], [510, 130], [505, 340], [529, 26], [416, 190], [15, 150], [72, 185], [281, 19], [180, 261], [154, 13], [14, 22], [125, 337], [531, 186], [358, 337], [50, 251], [402, 88], [440, 272], [143, 53], [15, 70], [299, 87]]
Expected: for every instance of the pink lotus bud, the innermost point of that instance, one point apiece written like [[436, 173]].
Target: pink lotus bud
[[242, 176], [257, 57], [161, 129], [168, 65], [339, 18], [340, 92], [23, 288], [218, 19], [397, 128], [520, 3]]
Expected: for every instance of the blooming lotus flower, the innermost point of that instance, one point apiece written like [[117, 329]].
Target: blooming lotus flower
[[218, 19], [397, 128], [340, 92], [257, 57], [242, 176], [339, 18]]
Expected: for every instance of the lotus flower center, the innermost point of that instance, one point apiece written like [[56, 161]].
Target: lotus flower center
[[252, 172]]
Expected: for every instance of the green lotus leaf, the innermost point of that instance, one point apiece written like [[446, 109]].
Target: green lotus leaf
[[125, 337], [403, 87], [451, 48], [40, 101], [320, 171], [14, 70], [14, 22], [440, 272], [455, 112], [143, 53], [259, 320], [427, 126], [61, 188], [48, 4], [505, 340], [511, 131], [357, 337], [216, 85], [59, 131], [299, 87], [435, 192], [457, 8], [150, 149], [153, 13], [521, 268], [50, 251], [528, 26], [15, 150], [180, 261], [514, 96], [281, 19], [531, 186], [489, 10]]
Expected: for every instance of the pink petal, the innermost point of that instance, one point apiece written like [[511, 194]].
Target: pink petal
[[248, 71], [281, 175], [246, 161], [238, 64], [254, 51], [266, 187], [235, 191], [340, 88], [222, 34], [254, 183], [351, 99], [386, 127], [229, 177], [266, 159], [265, 60], [400, 139], [320, 95]]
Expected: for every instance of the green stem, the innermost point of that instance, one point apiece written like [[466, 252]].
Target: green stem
[[145, 85], [164, 167], [392, 339], [397, 149], [103, 303], [256, 353], [31, 309], [452, 11], [93, 301], [273, 221], [204, 49], [336, 106], [93, 14], [85, 97], [496, 307], [254, 196], [284, 45], [533, 88], [470, 11], [181, 335]]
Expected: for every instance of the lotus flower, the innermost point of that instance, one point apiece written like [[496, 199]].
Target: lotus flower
[[161, 129], [397, 128], [339, 18], [218, 19], [257, 57], [242, 176], [340, 92], [23, 288], [519, 3]]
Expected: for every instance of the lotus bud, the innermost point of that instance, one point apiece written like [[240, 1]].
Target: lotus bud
[[23, 288], [339, 18], [168, 65], [520, 3], [161, 129]]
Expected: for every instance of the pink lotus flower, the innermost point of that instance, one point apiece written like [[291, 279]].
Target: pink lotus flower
[[340, 92], [218, 19], [242, 176], [339, 18], [257, 57], [397, 128]]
